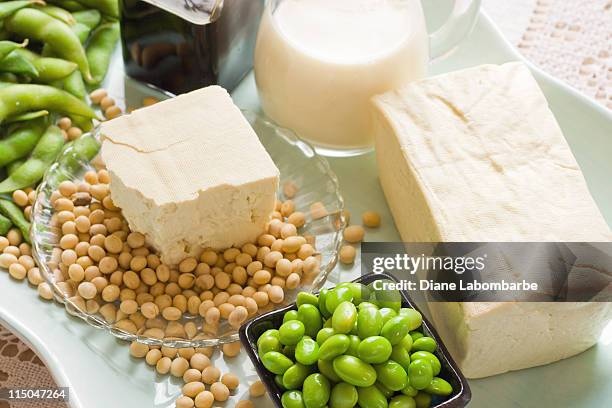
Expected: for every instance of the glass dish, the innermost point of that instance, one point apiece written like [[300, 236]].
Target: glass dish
[[297, 162]]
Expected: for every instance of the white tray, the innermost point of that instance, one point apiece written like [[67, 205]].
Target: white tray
[[101, 374]]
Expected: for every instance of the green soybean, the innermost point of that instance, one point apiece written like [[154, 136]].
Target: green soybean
[[439, 386], [334, 346], [407, 342], [322, 303], [424, 344], [344, 317], [324, 334], [387, 314], [70, 5], [385, 298], [402, 401], [14, 165], [354, 371], [31, 23], [360, 292], [401, 356], [278, 379], [107, 7], [20, 142], [10, 210], [363, 305], [20, 98], [58, 13], [375, 350], [74, 85], [343, 395], [290, 315], [5, 225], [354, 342], [49, 69], [422, 400], [269, 332], [293, 399], [336, 296], [420, 374], [327, 369], [316, 391], [86, 148], [28, 116], [414, 316], [9, 7], [100, 49], [276, 362], [291, 332], [311, 317], [416, 335], [305, 298], [268, 343], [369, 322], [15, 63], [44, 154], [89, 18], [296, 374], [387, 392], [371, 397], [431, 358], [307, 351], [410, 391], [395, 329], [7, 47], [392, 375], [289, 351]]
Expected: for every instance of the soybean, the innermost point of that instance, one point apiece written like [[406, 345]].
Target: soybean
[[354, 371], [371, 397], [108, 7], [276, 362], [14, 213], [343, 395], [392, 375], [15, 63], [307, 351], [375, 350], [89, 18], [291, 332], [100, 49], [316, 391], [420, 374], [402, 401], [9, 7], [295, 376], [20, 142], [334, 346], [293, 399]]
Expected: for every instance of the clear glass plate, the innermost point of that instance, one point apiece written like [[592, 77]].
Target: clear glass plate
[[297, 162]]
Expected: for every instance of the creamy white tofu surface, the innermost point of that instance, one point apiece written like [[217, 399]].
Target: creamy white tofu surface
[[190, 173], [477, 155]]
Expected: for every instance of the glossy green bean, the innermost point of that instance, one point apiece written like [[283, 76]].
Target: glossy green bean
[[49, 69], [108, 7], [371, 397], [100, 49], [34, 24], [5, 224], [392, 375], [9, 7], [304, 298], [439, 386], [74, 85], [14, 165], [58, 13], [344, 317], [290, 315], [293, 399], [343, 395], [422, 400], [276, 363], [307, 351], [16, 99], [7, 47], [327, 369], [44, 154], [354, 371], [24, 117], [21, 141], [10, 210], [311, 317], [317, 390], [70, 5], [89, 18], [15, 63], [295, 376], [402, 401]]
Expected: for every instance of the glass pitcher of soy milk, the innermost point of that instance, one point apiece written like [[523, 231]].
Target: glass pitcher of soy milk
[[319, 62]]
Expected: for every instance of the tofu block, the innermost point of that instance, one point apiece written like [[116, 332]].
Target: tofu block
[[477, 155], [190, 173]]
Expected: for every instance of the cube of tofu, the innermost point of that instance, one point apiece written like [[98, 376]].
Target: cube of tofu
[[477, 155], [190, 173]]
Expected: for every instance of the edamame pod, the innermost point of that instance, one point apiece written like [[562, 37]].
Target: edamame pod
[[14, 165], [7, 47], [44, 154], [371, 397], [49, 69], [100, 49], [354, 371], [5, 225], [20, 98], [316, 391], [89, 18], [34, 24], [70, 5], [343, 395], [293, 399], [9, 7], [10, 210], [58, 13], [74, 85], [24, 117], [86, 148], [108, 7], [17, 64], [21, 141]]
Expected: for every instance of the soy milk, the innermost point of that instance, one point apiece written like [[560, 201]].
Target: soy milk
[[318, 63]]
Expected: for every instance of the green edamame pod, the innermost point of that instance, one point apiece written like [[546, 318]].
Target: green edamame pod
[[49, 69], [100, 49], [14, 165], [9, 7], [17, 64], [8, 78], [44, 154], [24, 117], [70, 5], [34, 24], [21, 141], [20, 98], [5, 225], [7, 47], [108, 7], [58, 13], [89, 18], [10, 210], [74, 84]]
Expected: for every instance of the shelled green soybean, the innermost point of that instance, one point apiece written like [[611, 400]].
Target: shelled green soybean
[[352, 346]]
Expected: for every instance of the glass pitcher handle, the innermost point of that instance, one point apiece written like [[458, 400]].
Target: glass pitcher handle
[[455, 29]]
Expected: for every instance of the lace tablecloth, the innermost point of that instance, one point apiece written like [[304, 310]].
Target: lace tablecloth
[[571, 39]]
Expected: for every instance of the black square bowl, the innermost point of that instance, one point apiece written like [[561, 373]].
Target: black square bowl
[[250, 332]]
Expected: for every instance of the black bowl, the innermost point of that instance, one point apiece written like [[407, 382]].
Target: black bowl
[[250, 332]]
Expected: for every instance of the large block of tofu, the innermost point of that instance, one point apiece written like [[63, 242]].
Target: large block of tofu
[[476, 155], [190, 173]]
